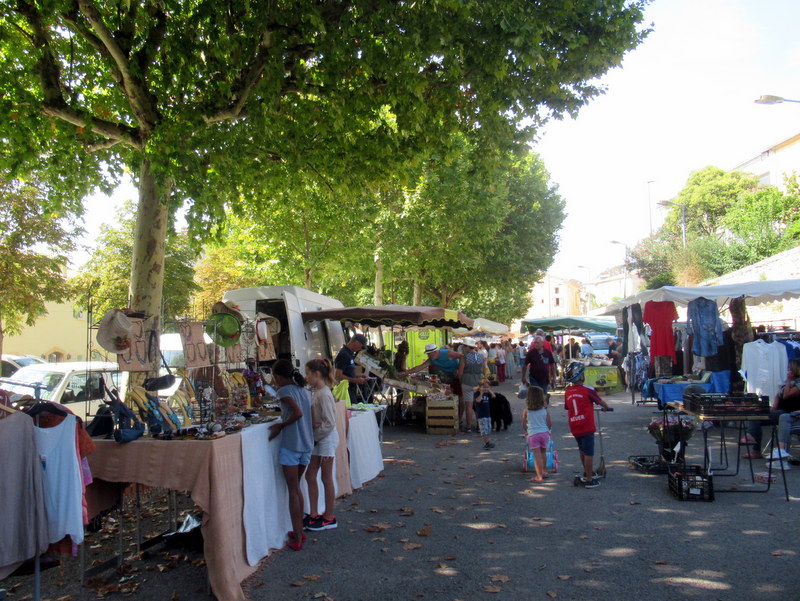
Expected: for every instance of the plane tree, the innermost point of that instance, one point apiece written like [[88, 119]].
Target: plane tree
[[197, 98]]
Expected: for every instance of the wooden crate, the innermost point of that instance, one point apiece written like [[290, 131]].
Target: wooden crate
[[441, 416]]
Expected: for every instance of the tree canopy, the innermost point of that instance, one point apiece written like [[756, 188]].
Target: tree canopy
[[731, 222], [34, 244], [200, 99]]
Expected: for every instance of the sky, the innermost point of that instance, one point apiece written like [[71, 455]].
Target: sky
[[681, 101]]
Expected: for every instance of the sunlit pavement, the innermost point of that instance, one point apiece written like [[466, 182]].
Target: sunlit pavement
[[448, 520]]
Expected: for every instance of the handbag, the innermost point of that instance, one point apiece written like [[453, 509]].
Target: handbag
[[552, 457], [127, 428]]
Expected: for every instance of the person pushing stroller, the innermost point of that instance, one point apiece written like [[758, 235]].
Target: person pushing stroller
[[579, 401]]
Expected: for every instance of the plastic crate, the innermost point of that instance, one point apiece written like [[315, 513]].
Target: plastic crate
[[726, 404], [648, 464], [690, 483]]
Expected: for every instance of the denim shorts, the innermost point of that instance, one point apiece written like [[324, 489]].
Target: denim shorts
[[289, 457], [586, 444], [485, 425]]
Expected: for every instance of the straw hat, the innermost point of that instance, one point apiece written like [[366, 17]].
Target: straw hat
[[224, 329], [228, 307], [266, 326], [115, 331]]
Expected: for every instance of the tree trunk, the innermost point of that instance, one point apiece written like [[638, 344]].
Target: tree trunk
[[378, 281], [307, 272], [417, 293], [147, 271]]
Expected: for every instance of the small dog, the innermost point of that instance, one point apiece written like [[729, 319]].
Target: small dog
[[501, 412]]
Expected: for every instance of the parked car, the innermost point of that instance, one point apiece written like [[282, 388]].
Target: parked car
[[11, 363], [75, 384], [598, 340]]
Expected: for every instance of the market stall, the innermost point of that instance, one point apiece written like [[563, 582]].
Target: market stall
[[236, 481], [403, 317]]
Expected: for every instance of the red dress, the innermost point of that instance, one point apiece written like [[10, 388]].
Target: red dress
[[660, 315]]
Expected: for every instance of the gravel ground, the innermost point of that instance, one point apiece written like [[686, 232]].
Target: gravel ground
[[448, 520]]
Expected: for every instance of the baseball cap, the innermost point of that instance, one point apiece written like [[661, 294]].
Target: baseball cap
[[361, 339], [430, 347]]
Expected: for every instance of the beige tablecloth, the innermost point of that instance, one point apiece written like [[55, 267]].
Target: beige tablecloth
[[211, 471]]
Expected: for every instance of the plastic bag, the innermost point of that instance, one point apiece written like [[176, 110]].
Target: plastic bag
[[523, 391], [341, 392]]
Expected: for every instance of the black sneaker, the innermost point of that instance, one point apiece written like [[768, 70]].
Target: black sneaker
[[488, 445], [593, 483], [322, 523], [309, 519]]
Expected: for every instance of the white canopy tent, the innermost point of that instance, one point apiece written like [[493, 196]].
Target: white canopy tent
[[483, 326], [755, 293]]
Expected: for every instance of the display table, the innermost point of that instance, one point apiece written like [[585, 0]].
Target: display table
[[211, 471], [740, 421], [366, 460], [238, 484], [609, 374], [672, 392]]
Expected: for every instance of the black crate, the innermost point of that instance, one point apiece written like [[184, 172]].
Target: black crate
[[648, 464], [690, 483], [726, 404]]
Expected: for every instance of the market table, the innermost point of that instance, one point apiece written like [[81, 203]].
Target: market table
[[211, 471], [237, 482], [740, 419], [672, 392]]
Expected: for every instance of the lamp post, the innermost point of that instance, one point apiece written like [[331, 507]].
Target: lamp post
[[585, 287], [669, 203], [624, 268], [769, 99]]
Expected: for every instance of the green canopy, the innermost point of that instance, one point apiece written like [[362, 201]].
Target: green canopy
[[574, 323]]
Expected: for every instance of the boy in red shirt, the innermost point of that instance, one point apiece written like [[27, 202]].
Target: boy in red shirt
[[579, 401]]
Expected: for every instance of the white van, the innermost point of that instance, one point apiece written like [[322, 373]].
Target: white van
[[297, 341]]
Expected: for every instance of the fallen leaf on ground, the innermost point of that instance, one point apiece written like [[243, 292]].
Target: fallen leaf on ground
[[777, 553], [450, 558], [298, 583], [424, 532], [552, 594], [662, 563], [312, 577], [406, 512], [563, 576], [499, 578], [489, 588], [412, 546]]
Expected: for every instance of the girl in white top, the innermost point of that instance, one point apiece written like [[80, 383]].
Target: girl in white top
[[537, 424], [319, 373]]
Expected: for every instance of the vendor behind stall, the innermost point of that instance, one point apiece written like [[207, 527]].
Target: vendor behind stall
[[345, 366], [445, 363]]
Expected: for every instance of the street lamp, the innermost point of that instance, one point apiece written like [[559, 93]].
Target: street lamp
[[769, 99], [669, 203], [624, 268], [585, 287]]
